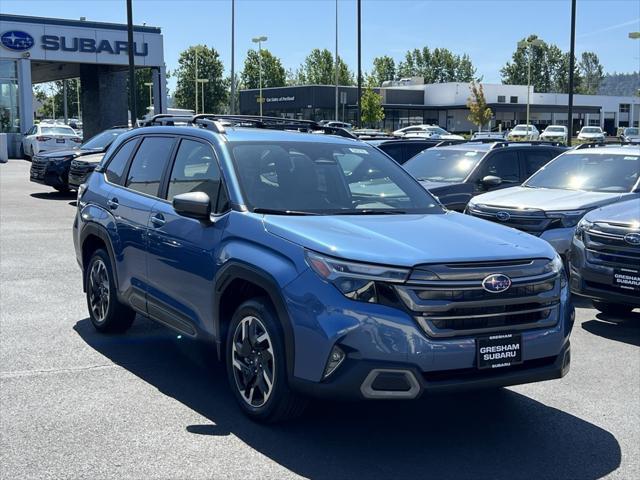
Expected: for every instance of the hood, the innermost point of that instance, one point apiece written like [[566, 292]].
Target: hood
[[92, 157], [408, 240], [429, 185], [590, 135], [553, 134], [621, 212], [546, 199], [76, 152]]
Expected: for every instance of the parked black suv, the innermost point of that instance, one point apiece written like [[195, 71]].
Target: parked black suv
[[457, 172], [55, 168], [402, 150]]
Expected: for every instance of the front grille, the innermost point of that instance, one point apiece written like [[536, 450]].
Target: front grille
[[605, 244], [79, 170], [527, 220], [450, 301]]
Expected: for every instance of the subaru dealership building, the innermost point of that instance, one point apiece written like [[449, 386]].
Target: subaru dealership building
[[35, 50]]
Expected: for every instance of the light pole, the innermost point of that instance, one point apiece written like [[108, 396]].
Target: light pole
[[132, 72], [572, 56], [202, 81], [150, 85], [78, 96], [536, 42], [259, 41], [196, 78], [232, 106], [337, 64], [359, 110]]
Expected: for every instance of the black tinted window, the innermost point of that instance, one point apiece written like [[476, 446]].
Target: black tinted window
[[115, 169], [148, 164], [195, 170], [536, 159], [393, 150], [503, 165], [412, 149]]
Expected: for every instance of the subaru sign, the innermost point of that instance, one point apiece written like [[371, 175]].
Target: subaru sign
[[17, 41]]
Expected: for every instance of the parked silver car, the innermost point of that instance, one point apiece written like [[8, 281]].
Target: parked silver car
[[554, 199]]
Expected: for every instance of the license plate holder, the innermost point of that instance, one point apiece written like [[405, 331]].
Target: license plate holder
[[59, 140], [499, 350], [627, 279]]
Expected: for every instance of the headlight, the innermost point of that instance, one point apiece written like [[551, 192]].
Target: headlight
[[81, 189], [569, 218], [557, 266], [357, 281], [581, 228]]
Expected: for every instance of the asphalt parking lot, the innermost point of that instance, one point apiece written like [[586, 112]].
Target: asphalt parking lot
[[147, 404]]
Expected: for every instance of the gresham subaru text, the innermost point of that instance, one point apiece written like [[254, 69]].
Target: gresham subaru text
[[316, 265]]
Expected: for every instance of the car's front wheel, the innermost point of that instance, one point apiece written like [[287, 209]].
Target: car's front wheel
[[106, 312], [614, 309], [256, 367]]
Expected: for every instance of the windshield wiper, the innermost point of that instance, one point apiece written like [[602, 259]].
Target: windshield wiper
[[370, 211], [274, 211]]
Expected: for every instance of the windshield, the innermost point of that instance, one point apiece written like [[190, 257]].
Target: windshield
[[523, 128], [436, 130], [592, 172], [443, 165], [58, 131], [102, 140], [591, 130], [326, 178], [555, 129]]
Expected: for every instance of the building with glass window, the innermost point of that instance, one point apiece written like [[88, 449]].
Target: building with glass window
[[36, 50], [445, 104]]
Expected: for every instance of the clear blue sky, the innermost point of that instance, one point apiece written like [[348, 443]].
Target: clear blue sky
[[487, 30]]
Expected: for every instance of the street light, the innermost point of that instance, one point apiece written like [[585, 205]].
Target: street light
[[259, 41], [536, 42], [150, 85], [202, 81]]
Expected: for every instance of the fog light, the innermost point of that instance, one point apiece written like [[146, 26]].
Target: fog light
[[335, 359]]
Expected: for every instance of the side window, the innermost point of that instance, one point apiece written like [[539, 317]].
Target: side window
[[536, 159], [194, 170], [394, 151], [117, 164], [503, 165], [412, 149], [149, 164]]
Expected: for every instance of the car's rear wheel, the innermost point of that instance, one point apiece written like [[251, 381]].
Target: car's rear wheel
[[256, 367], [105, 311], [615, 309]]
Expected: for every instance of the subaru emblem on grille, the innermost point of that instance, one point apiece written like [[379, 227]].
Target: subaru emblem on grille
[[503, 216], [496, 283], [632, 238]]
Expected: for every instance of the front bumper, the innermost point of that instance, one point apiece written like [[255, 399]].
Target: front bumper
[[596, 281], [560, 239], [379, 337], [53, 174]]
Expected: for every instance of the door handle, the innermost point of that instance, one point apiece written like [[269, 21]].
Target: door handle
[[158, 220], [113, 203]]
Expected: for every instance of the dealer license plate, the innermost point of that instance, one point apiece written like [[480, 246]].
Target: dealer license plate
[[500, 350], [627, 279]]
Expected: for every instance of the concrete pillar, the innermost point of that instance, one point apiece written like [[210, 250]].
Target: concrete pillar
[[25, 97], [104, 98], [159, 79]]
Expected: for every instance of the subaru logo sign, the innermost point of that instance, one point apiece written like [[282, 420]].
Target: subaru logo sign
[[496, 283], [503, 216], [632, 238], [17, 41]]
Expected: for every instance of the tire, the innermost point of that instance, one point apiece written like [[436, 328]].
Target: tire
[[614, 309], [265, 354], [107, 314]]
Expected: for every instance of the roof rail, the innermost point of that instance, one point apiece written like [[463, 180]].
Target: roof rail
[[118, 126], [506, 143], [165, 119], [446, 143], [620, 143]]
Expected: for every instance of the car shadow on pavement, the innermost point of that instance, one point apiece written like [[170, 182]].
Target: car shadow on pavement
[[625, 330], [496, 434], [55, 195]]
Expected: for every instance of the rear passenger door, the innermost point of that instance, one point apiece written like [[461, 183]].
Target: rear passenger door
[[535, 158], [182, 250], [131, 200]]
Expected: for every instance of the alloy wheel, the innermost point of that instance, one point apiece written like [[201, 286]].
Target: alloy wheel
[[99, 290], [253, 361]]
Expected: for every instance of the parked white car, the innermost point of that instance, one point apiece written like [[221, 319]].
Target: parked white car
[[591, 134], [49, 137], [426, 131], [555, 133], [489, 136], [523, 132]]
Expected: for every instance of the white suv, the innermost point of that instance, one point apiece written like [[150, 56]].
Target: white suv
[[48, 137], [591, 134], [523, 133], [555, 133]]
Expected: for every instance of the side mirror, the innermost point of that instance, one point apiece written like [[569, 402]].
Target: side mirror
[[491, 181], [192, 204]]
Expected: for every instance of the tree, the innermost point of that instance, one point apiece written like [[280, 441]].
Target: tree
[[371, 111], [592, 73], [143, 75], [549, 67], [210, 68], [51, 96], [384, 68], [273, 73], [319, 69], [436, 66], [479, 112]]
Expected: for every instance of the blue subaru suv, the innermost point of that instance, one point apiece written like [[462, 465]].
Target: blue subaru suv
[[314, 264]]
